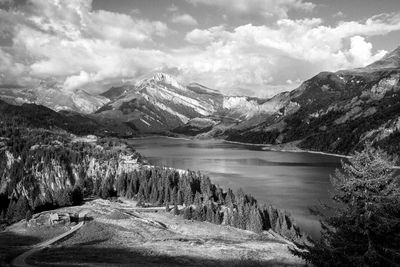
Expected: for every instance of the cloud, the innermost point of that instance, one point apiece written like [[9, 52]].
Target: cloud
[[74, 19], [11, 70], [81, 47], [360, 52], [68, 41], [184, 19], [75, 81], [198, 36], [266, 8], [339, 14], [290, 50]]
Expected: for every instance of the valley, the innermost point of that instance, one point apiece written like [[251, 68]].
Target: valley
[[334, 112], [199, 133], [98, 152]]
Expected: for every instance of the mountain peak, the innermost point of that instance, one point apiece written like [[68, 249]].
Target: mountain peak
[[160, 77], [390, 60]]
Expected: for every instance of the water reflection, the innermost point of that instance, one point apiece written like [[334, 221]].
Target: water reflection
[[292, 181]]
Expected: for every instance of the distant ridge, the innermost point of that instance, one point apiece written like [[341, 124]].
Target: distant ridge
[[390, 60]]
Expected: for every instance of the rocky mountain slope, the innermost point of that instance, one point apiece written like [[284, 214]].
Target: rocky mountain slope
[[336, 111], [161, 103], [154, 103]]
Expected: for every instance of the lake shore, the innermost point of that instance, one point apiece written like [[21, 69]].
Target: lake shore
[[289, 147]]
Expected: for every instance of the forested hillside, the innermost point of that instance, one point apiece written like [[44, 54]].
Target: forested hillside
[[43, 169], [33, 115]]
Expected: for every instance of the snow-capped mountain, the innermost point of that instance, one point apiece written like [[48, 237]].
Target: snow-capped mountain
[[159, 102]]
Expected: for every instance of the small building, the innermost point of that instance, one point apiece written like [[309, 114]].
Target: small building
[[54, 218]]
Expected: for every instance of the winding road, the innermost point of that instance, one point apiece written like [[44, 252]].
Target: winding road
[[20, 261]]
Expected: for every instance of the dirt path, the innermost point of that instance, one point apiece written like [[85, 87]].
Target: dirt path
[[20, 261]]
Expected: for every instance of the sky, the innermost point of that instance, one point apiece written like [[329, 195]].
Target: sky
[[240, 47]]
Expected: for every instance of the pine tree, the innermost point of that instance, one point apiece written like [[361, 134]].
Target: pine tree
[[220, 197], [107, 189], [216, 217], [235, 219], [167, 198], [209, 213], [176, 210], [188, 195], [140, 200], [256, 224], [121, 184], [154, 194], [179, 197], [28, 215], [17, 209], [174, 195], [77, 195], [167, 209], [364, 229], [187, 213], [129, 191], [197, 200], [230, 198]]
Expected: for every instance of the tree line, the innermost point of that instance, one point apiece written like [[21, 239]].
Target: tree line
[[48, 170]]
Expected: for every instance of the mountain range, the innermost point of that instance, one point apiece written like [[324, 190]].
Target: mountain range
[[333, 111]]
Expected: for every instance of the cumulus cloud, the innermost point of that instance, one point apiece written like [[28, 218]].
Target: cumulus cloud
[[69, 41], [198, 36], [78, 46], [360, 52], [184, 19], [74, 19], [266, 8], [76, 81], [260, 56]]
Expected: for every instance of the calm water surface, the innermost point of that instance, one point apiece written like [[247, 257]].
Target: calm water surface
[[291, 181]]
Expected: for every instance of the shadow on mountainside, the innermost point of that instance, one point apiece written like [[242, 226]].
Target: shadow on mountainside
[[12, 245]]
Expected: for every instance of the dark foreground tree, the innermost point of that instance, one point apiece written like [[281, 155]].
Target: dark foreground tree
[[363, 227]]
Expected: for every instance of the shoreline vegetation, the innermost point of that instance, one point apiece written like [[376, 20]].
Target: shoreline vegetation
[[109, 167], [288, 147]]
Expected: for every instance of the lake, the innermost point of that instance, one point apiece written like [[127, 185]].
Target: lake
[[288, 180]]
